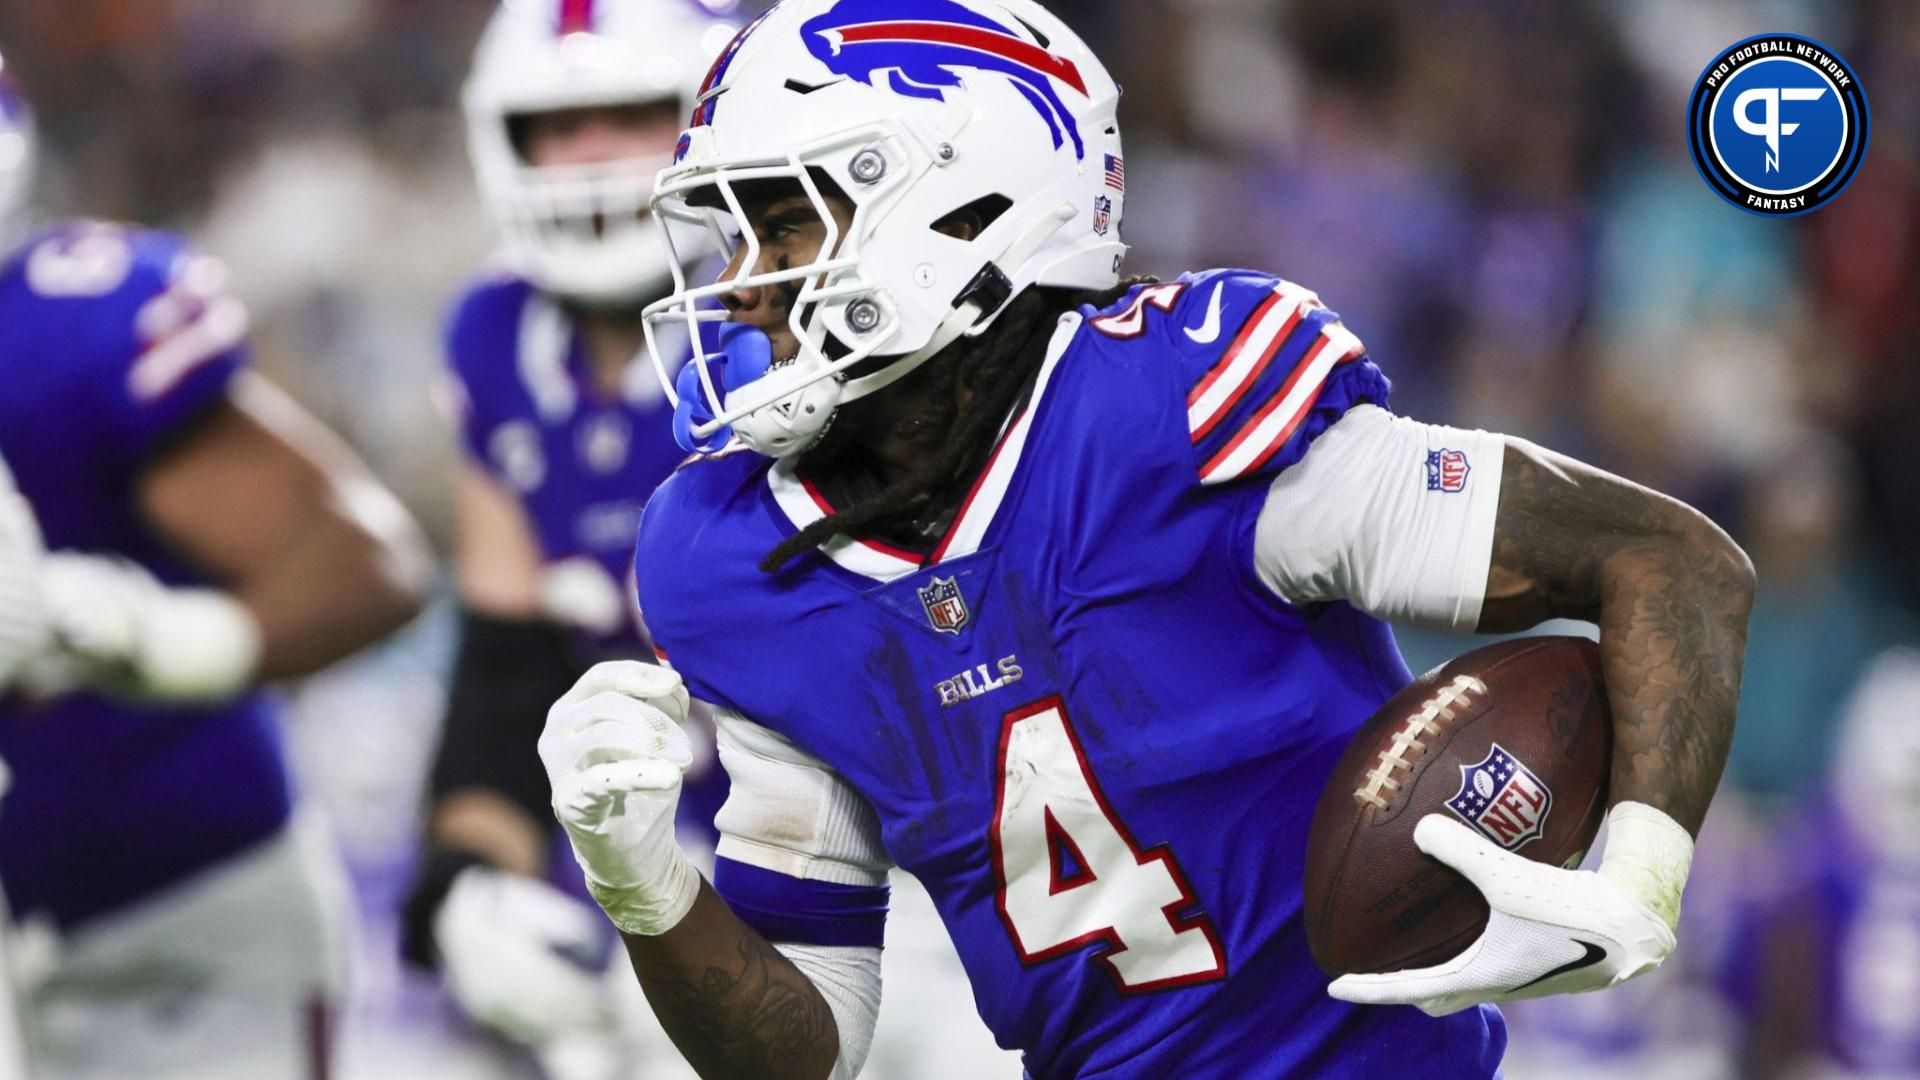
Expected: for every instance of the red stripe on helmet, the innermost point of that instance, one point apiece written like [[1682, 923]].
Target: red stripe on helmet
[[968, 37], [576, 16]]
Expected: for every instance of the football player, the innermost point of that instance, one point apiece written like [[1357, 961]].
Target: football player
[[1829, 955], [204, 535], [572, 107], [1065, 594]]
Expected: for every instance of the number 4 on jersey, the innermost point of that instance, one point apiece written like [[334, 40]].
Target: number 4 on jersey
[[1068, 873]]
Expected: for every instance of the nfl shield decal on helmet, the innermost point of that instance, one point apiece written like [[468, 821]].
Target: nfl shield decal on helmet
[[1503, 799], [946, 608], [1102, 214]]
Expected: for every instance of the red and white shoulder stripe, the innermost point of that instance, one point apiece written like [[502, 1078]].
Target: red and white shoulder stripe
[[1253, 399]]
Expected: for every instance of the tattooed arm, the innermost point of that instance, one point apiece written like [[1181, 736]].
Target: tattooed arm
[[731, 1002], [1671, 594]]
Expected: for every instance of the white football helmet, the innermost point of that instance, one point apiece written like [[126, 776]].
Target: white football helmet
[[17, 146], [914, 109], [583, 231]]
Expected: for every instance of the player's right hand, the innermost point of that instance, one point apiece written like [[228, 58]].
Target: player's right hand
[[614, 752], [524, 959], [24, 629]]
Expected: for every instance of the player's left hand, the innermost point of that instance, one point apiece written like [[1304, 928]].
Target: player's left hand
[[24, 629], [1550, 931]]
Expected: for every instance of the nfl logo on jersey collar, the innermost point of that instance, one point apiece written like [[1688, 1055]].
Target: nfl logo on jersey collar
[[1502, 799], [946, 608]]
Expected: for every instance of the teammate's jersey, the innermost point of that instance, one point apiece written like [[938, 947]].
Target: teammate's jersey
[[1854, 909], [580, 464], [1082, 721], [113, 342]]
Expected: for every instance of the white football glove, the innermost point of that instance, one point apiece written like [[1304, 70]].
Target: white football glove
[[120, 631], [614, 753], [524, 958], [24, 632], [1551, 931]]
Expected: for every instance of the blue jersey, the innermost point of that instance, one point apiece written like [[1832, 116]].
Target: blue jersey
[[1080, 719], [1848, 905], [112, 343], [581, 464]]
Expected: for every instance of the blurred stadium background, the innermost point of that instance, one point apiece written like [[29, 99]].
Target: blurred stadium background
[[1496, 194]]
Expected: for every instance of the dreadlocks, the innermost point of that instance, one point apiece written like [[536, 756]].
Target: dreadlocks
[[975, 383]]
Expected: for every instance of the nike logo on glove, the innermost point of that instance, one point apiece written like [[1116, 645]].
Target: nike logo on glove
[[1209, 328], [1592, 954]]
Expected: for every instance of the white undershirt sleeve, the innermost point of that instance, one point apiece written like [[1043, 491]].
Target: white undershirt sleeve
[[788, 812], [849, 979], [1390, 514]]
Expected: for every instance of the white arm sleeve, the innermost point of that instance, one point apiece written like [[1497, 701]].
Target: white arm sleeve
[[849, 979], [1390, 514], [786, 811]]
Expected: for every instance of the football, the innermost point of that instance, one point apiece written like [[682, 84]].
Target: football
[[1514, 740]]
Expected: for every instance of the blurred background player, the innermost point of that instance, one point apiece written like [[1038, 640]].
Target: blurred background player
[[21, 638], [205, 535], [572, 106], [1829, 949]]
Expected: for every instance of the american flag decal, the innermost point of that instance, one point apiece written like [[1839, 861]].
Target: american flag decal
[[1502, 799], [1116, 173]]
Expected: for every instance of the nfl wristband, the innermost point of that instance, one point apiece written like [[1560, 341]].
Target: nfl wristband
[[1649, 855]]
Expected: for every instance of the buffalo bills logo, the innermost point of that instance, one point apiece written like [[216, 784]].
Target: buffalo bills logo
[[923, 46], [1503, 799]]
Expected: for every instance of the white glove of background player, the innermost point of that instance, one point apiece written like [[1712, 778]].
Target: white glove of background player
[[1551, 931], [119, 630], [614, 753], [524, 958], [24, 633]]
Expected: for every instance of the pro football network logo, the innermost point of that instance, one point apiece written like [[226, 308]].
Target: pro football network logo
[[1502, 799], [1447, 471], [946, 608], [1778, 124]]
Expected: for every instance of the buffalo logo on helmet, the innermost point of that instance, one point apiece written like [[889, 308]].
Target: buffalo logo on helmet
[[922, 46], [1502, 799], [946, 608]]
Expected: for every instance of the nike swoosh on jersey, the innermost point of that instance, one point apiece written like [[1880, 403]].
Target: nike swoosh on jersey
[[1590, 955], [1209, 330]]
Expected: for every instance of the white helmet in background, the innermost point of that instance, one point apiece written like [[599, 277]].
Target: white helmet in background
[[584, 231], [914, 109], [17, 146]]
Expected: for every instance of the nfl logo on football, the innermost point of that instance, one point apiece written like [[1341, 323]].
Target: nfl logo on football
[[1502, 799], [1447, 471], [946, 608]]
